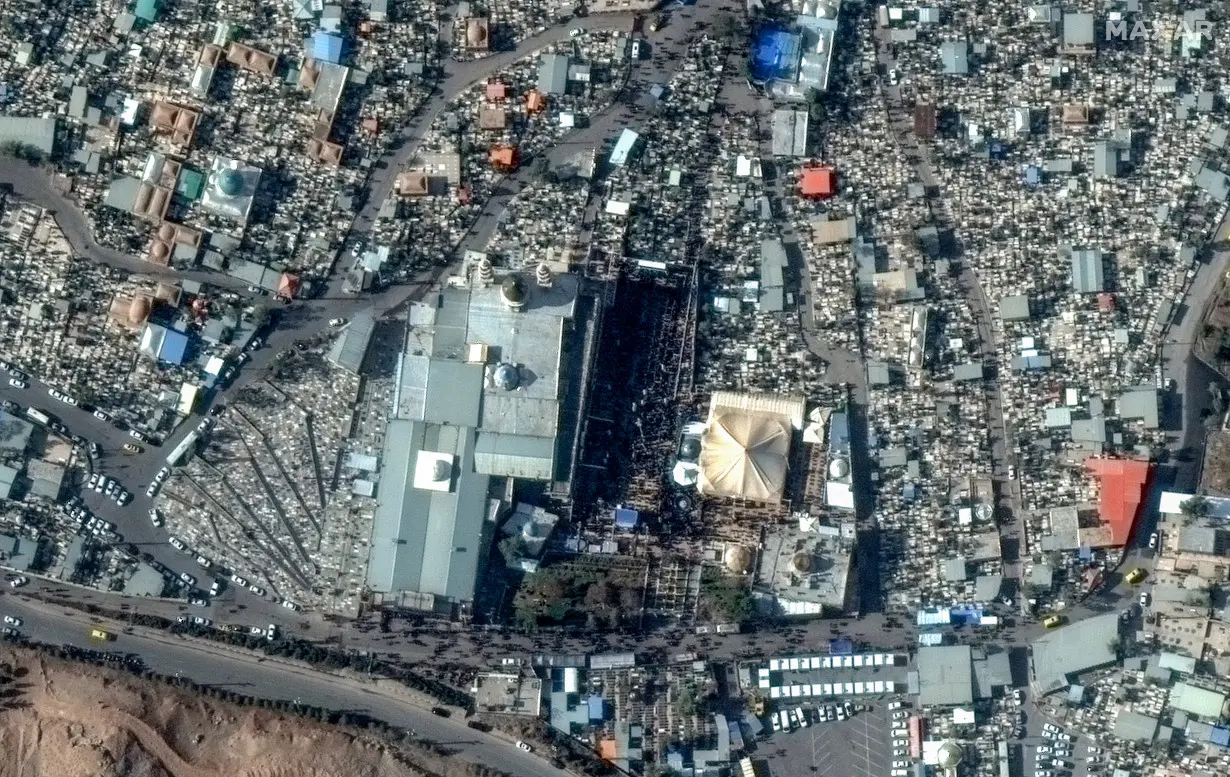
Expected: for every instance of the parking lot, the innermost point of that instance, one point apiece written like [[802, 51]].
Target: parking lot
[[858, 747]]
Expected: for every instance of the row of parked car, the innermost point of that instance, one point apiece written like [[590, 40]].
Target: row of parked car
[[111, 487], [1054, 756]]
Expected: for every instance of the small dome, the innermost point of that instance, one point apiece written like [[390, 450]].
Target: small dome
[[441, 471], [160, 250], [949, 754], [230, 183], [506, 377], [839, 468], [513, 290], [529, 530], [801, 563], [166, 232], [689, 448], [476, 34], [138, 311], [737, 559]]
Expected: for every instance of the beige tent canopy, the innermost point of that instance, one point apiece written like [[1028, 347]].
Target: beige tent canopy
[[744, 455]]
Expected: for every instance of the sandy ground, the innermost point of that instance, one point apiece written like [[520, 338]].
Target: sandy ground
[[59, 719]]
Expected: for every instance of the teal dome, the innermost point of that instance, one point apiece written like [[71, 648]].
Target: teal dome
[[230, 183]]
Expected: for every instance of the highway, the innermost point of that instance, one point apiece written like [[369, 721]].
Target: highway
[[244, 673]]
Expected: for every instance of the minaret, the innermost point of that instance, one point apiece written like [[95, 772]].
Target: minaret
[[542, 274], [486, 273]]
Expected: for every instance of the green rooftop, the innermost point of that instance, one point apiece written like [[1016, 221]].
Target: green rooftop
[[191, 184], [147, 10]]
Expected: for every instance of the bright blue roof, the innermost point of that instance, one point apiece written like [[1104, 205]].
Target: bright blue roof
[[626, 518], [174, 347], [597, 710], [775, 54], [326, 47]]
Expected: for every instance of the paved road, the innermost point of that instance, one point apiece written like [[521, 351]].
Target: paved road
[[245, 673]]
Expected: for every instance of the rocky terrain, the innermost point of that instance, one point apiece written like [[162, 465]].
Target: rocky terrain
[[61, 719]]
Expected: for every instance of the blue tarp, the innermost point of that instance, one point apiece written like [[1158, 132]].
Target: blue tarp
[[326, 47], [1220, 736], [174, 347], [841, 646], [1033, 176], [966, 613]]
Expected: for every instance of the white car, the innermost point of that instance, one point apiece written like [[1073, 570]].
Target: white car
[[336, 321], [101, 416], [154, 517], [900, 715], [575, 31], [1044, 749], [1152, 537], [18, 582], [70, 400], [134, 434], [1064, 737], [204, 561], [256, 589], [12, 620], [901, 764], [1144, 599], [21, 384], [524, 746], [55, 394], [256, 631], [153, 489], [198, 620], [237, 580], [176, 543], [288, 604], [900, 751], [187, 578]]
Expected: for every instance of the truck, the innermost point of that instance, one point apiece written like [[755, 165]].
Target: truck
[[34, 414], [101, 636]]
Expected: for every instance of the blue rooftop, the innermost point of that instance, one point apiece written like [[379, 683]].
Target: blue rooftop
[[146, 10], [597, 708], [1033, 176], [626, 518], [841, 647], [775, 55], [326, 47], [174, 347]]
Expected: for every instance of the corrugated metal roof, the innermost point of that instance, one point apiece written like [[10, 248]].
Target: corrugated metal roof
[[351, 346], [39, 133], [945, 675], [422, 540], [1073, 649], [553, 74], [515, 455]]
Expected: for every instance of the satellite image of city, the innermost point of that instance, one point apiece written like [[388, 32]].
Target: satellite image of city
[[644, 388]]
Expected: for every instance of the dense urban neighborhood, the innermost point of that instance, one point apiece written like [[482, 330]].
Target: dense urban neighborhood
[[692, 388]]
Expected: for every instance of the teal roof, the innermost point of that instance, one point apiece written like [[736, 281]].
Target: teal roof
[[190, 185], [147, 10]]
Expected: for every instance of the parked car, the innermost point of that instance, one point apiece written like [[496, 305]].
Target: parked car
[[187, 578], [336, 321], [13, 620], [21, 384], [102, 416], [132, 449], [524, 746], [19, 581]]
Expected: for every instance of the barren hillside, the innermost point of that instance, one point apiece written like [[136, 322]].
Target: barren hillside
[[60, 719]]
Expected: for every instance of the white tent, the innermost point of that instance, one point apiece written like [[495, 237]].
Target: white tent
[[745, 455]]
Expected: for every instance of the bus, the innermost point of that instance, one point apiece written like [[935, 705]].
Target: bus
[[34, 414]]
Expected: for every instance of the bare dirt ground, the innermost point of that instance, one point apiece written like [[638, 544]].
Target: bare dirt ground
[[1216, 474], [60, 719]]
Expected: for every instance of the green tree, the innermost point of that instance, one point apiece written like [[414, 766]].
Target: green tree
[[1196, 507], [513, 548]]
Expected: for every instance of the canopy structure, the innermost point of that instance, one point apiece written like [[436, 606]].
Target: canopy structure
[[745, 455]]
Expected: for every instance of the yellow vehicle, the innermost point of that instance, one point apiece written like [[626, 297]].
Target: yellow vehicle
[[100, 635], [1135, 576], [1052, 621]]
